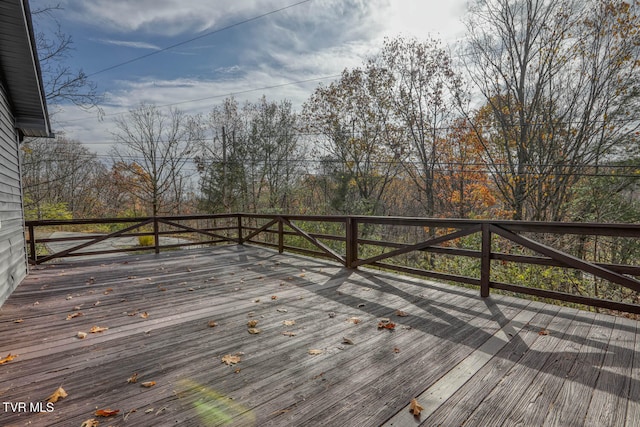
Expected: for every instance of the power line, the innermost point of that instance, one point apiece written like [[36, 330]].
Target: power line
[[255, 18]]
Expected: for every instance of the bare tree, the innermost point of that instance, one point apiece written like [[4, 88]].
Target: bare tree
[[62, 83], [559, 81], [424, 95], [154, 147], [60, 172]]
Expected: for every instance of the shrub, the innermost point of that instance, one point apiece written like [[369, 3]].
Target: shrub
[[146, 240]]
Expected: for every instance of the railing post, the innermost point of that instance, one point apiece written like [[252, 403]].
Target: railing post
[[240, 241], [32, 244], [485, 261], [280, 235], [351, 231], [156, 234]]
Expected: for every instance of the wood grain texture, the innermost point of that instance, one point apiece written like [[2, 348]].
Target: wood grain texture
[[483, 359]]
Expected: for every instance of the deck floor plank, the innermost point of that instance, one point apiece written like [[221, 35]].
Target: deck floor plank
[[277, 382]]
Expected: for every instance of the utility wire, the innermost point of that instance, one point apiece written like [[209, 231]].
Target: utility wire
[[255, 18]]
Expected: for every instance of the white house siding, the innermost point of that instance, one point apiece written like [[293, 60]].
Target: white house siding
[[13, 262]]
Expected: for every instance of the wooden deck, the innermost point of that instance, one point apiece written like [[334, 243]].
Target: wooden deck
[[467, 360]]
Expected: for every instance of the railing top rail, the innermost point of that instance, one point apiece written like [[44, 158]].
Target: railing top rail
[[590, 228]]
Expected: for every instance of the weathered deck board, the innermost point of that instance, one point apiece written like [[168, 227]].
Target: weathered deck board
[[473, 361]]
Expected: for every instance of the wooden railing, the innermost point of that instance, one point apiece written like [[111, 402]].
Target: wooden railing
[[353, 243]]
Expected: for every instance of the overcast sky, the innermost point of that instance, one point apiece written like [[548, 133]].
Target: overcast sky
[[235, 51]]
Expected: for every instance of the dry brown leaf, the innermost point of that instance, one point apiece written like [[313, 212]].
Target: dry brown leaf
[[289, 322], [81, 335], [91, 422], [73, 315], [133, 378], [229, 359], [252, 323], [107, 412], [18, 321], [254, 331], [384, 325], [9, 358], [58, 394], [289, 334], [354, 320], [96, 329], [314, 352], [415, 408], [144, 315], [148, 384], [401, 313], [212, 323]]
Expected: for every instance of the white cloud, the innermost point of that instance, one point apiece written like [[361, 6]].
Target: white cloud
[[312, 40]]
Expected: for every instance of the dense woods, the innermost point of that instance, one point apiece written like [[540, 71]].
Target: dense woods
[[535, 117]]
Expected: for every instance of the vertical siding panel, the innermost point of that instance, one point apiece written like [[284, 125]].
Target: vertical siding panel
[[13, 261]]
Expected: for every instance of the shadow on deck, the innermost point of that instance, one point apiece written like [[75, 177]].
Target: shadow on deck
[[466, 359]]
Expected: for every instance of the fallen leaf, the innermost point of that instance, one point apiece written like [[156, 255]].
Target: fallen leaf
[[133, 378], [415, 408], [18, 321], [289, 322], [148, 384], [212, 324], [289, 334], [383, 325], [144, 315], [91, 422], [346, 340], [274, 297], [252, 323], [73, 315], [354, 320], [9, 358], [58, 394], [254, 331], [314, 352], [96, 329], [543, 332], [229, 359], [401, 313], [107, 412], [81, 335]]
